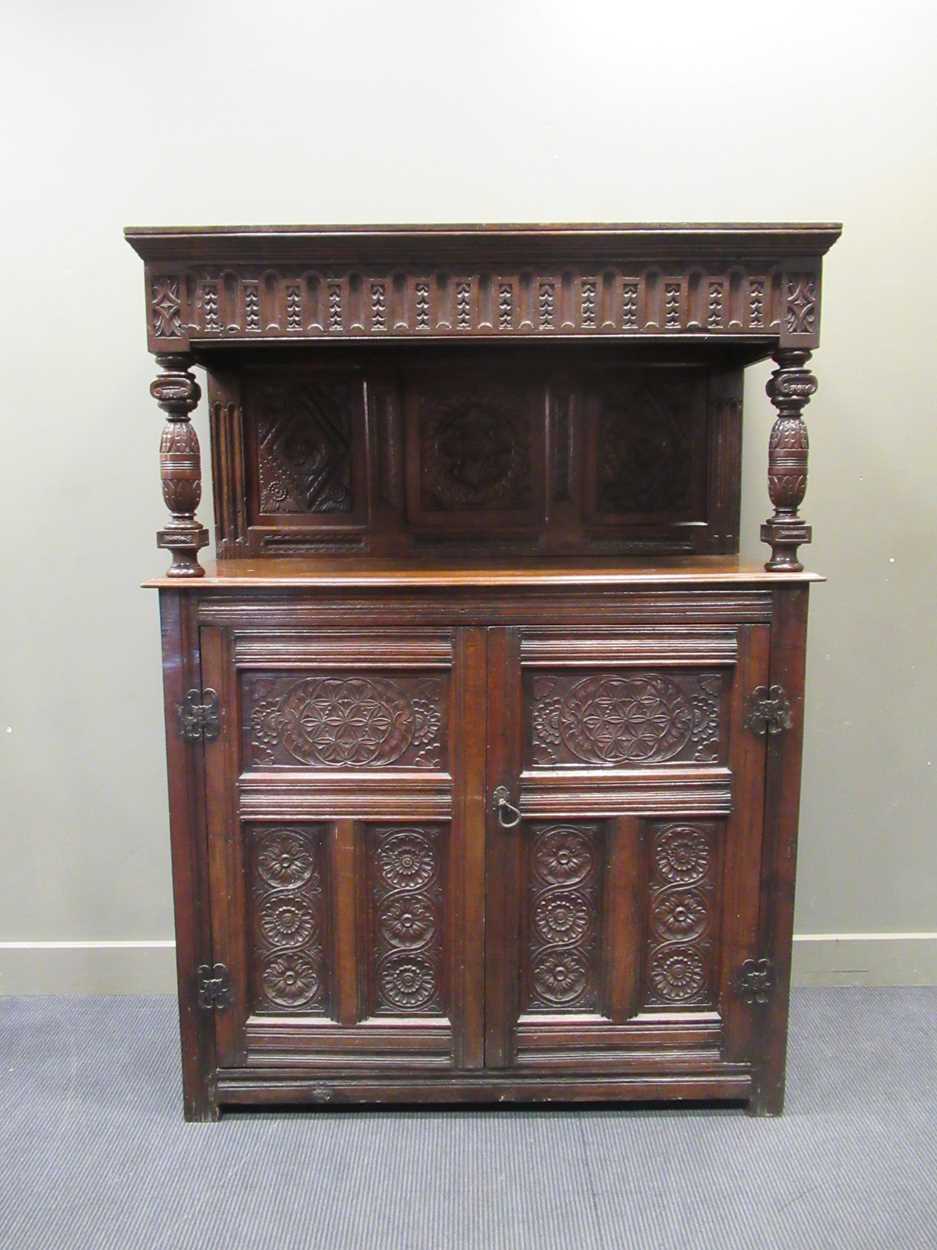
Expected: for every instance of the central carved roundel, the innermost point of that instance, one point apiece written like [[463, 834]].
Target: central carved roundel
[[625, 718], [342, 721]]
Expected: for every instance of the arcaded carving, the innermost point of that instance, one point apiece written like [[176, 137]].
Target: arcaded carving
[[276, 302]]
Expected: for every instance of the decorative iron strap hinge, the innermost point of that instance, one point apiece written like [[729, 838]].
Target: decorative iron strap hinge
[[769, 711], [754, 981], [214, 987], [199, 715]]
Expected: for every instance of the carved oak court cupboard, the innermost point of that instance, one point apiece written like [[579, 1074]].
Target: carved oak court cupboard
[[484, 748]]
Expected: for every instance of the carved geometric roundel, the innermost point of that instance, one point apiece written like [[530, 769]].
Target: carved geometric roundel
[[625, 718], [346, 721]]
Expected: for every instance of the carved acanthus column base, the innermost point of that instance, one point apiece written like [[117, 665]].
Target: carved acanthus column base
[[789, 389], [177, 393]]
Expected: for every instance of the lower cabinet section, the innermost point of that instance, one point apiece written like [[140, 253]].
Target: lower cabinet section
[[486, 862]]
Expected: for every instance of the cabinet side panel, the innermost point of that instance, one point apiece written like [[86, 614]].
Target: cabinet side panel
[[182, 672], [779, 863]]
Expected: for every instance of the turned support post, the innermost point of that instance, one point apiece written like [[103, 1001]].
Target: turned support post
[[177, 393], [789, 389]]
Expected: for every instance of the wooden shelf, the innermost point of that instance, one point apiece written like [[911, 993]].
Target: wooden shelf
[[349, 571]]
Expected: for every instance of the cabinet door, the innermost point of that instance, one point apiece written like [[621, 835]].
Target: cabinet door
[[625, 896], [343, 843]]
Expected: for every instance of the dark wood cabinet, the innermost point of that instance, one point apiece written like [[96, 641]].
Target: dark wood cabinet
[[484, 748]]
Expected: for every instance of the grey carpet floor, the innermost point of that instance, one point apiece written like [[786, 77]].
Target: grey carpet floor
[[94, 1154]]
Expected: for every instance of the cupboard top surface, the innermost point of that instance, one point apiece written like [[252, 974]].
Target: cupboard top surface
[[600, 238], [350, 571]]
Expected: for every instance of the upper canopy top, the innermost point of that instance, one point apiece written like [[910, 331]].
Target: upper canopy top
[[215, 285], [600, 240]]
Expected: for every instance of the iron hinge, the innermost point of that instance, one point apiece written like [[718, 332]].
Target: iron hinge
[[755, 981], [199, 715], [214, 987], [769, 711]]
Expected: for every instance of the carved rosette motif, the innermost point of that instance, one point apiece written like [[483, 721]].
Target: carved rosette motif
[[289, 914], [563, 930], [789, 388], [345, 720], [681, 914], [406, 876], [475, 454], [625, 718]]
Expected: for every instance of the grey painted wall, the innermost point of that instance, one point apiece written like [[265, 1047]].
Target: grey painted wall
[[182, 113]]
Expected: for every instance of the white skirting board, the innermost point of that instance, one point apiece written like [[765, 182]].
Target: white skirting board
[[149, 967]]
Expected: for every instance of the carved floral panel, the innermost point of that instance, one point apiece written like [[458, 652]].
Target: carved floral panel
[[564, 920], [623, 718], [682, 914], [345, 720], [476, 449], [305, 432], [650, 456], [405, 872], [289, 918]]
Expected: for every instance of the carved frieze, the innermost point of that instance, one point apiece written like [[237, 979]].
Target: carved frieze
[[197, 303]]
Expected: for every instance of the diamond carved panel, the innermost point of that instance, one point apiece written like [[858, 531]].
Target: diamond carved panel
[[305, 433]]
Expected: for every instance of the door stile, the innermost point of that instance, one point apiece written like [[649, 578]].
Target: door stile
[[624, 910], [502, 953], [468, 845], [190, 875], [230, 906], [347, 922], [743, 840]]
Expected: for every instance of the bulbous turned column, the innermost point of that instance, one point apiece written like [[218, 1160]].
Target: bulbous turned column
[[789, 389], [177, 393]]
